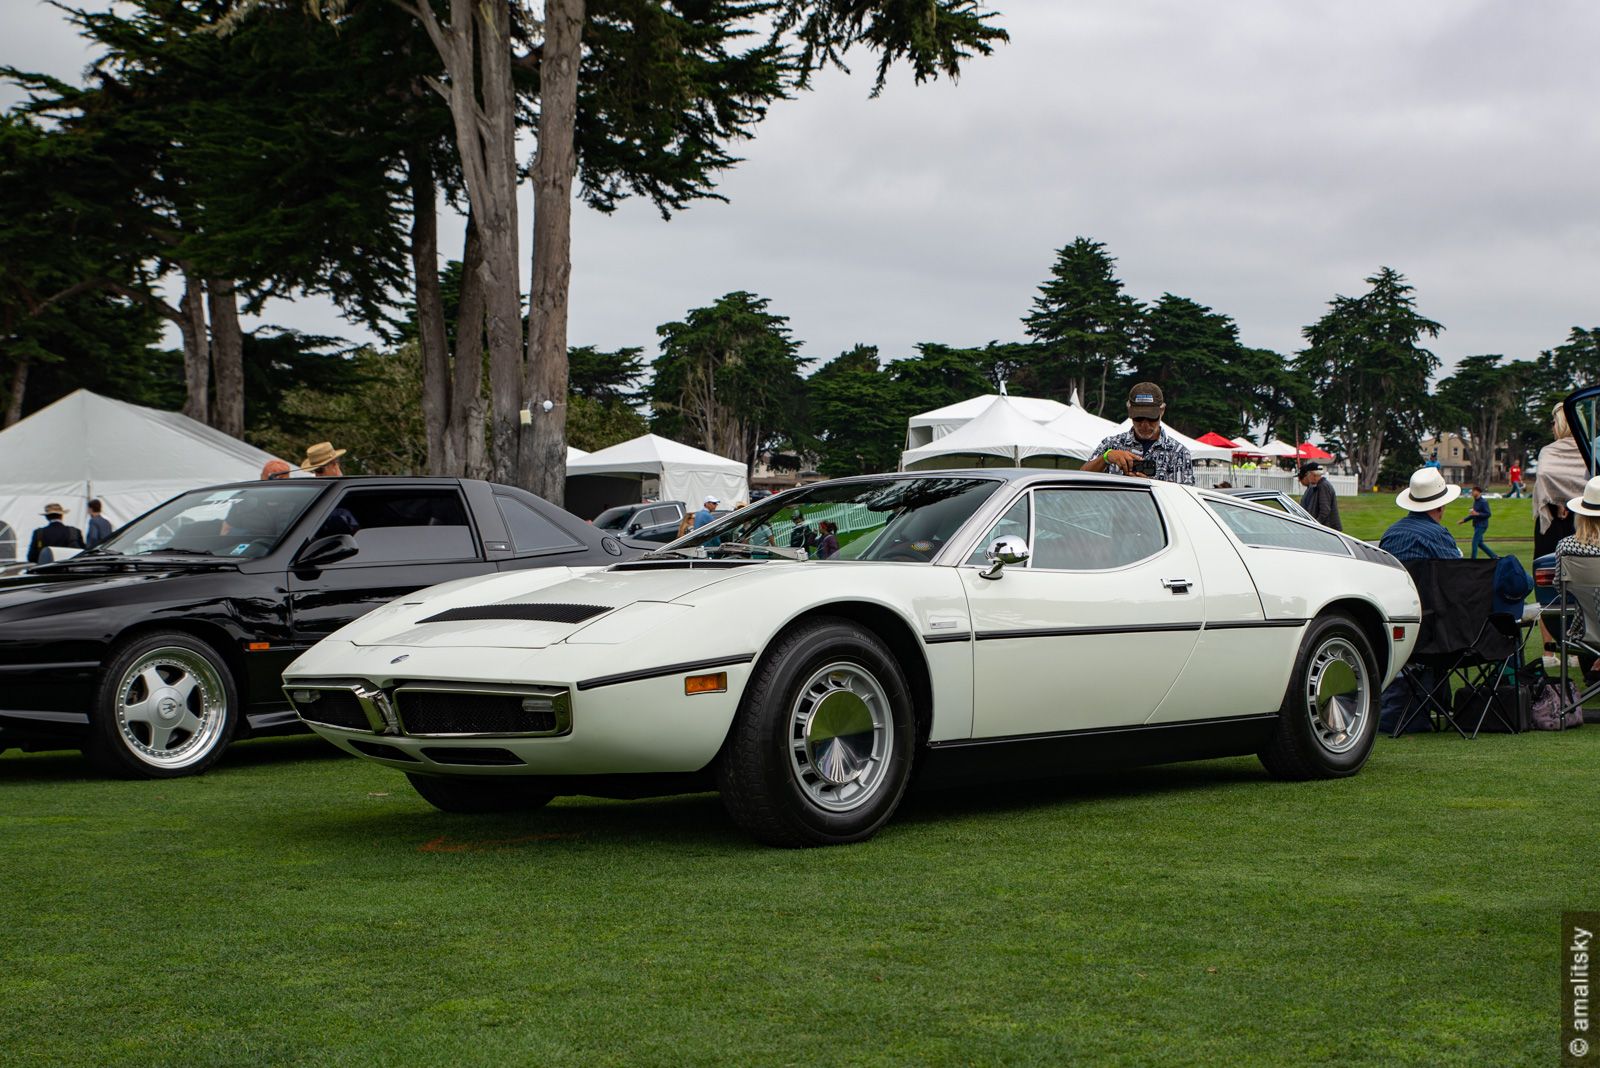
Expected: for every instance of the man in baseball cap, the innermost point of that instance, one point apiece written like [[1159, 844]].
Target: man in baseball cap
[[707, 512], [1319, 498], [1144, 449]]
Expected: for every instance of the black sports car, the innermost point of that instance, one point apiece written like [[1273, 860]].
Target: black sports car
[[156, 649]]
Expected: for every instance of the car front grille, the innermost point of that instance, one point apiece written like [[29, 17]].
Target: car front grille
[[438, 712], [336, 708]]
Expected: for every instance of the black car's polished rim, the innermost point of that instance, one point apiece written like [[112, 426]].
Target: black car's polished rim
[[171, 708]]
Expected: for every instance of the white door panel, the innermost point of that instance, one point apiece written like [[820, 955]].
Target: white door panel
[[1058, 649]]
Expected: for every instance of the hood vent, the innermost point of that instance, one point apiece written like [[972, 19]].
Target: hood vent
[[542, 613]]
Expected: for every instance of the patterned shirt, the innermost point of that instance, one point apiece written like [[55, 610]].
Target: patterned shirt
[[1173, 463], [1418, 536]]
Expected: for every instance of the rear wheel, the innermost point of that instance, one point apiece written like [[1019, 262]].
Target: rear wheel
[[821, 750], [1329, 717], [167, 707], [477, 794]]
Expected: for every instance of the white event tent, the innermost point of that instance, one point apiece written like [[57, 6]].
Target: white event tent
[[1002, 432], [931, 426], [1277, 448], [131, 457], [680, 473]]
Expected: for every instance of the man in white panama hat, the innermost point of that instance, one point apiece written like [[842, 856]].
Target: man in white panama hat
[[1418, 535]]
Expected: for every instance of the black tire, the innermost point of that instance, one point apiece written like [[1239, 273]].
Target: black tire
[[1320, 735], [477, 794], [167, 706], [785, 776]]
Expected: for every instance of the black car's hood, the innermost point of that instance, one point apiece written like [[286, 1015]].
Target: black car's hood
[[55, 582]]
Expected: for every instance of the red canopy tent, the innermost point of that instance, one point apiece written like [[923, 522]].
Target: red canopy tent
[[1211, 437], [1308, 451]]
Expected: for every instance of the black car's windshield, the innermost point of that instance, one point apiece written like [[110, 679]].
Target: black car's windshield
[[243, 522], [876, 519]]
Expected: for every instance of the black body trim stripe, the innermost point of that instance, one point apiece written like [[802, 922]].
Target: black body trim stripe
[[1255, 624], [65, 719], [1067, 632], [668, 669], [1405, 619], [953, 636], [968, 743], [62, 665]]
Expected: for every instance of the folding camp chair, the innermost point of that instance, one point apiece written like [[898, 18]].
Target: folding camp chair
[[1580, 579], [1461, 640]]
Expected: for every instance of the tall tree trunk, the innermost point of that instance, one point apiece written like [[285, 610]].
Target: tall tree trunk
[[19, 386], [430, 311], [463, 439], [227, 357], [475, 48], [542, 457], [191, 322]]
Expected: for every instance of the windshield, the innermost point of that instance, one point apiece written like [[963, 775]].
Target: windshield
[[244, 522], [879, 519]]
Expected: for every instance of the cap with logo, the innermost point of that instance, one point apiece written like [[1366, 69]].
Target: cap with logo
[[1145, 401]]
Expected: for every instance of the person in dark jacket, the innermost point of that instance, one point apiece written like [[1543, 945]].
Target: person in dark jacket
[[53, 535], [1480, 523], [1319, 498], [99, 526]]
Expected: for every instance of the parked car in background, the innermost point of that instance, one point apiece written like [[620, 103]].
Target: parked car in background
[[973, 624], [153, 651], [652, 521]]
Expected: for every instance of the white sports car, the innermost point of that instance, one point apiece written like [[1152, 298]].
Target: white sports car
[[962, 623]]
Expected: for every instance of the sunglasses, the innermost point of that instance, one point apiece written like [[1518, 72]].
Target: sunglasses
[[1141, 419]]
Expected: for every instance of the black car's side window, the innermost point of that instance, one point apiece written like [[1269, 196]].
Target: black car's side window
[[530, 531], [1083, 529], [403, 525]]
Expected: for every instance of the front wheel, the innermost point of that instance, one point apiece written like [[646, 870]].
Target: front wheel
[[474, 794], [821, 750], [167, 707], [1329, 717]]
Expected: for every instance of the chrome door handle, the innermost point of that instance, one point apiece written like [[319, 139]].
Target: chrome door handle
[[1177, 585]]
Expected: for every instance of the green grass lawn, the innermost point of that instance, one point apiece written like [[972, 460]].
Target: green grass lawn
[[1510, 521], [295, 906]]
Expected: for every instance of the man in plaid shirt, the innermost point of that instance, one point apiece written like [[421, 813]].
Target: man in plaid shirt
[[1146, 449]]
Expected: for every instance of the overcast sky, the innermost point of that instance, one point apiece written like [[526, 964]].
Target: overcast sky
[[1255, 156]]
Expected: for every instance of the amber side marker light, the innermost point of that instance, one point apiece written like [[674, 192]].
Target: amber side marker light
[[716, 682], [259, 647]]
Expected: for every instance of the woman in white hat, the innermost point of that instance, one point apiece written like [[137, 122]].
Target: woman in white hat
[[1583, 541]]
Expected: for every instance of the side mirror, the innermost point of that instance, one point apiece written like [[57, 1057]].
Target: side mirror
[[326, 551], [1007, 551], [634, 528]]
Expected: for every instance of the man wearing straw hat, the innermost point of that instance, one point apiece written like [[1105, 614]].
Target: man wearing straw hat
[[322, 460], [1417, 535], [53, 535]]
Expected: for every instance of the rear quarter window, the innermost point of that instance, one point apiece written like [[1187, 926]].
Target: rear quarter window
[[1260, 528]]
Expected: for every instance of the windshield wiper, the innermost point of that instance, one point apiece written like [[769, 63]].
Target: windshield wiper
[[175, 552], [681, 553], [778, 552]]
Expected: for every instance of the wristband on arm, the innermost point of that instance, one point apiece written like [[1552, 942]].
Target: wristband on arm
[[1106, 456]]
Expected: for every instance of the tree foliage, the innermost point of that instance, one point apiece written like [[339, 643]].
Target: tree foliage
[[1084, 326], [1368, 368], [728, 379]]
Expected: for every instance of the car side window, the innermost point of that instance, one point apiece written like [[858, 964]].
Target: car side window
[[399, 525], [1258, 528], [1013, 523], [652, 516], [1081, 528], [530, 531]]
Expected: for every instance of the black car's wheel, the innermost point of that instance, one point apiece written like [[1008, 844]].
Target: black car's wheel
[[1329, 716], [821, 749], [167, 706], [478, 793]]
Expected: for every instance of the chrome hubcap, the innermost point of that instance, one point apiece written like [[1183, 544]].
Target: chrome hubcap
[[840, 736], [170, 707], [1338, 695]]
